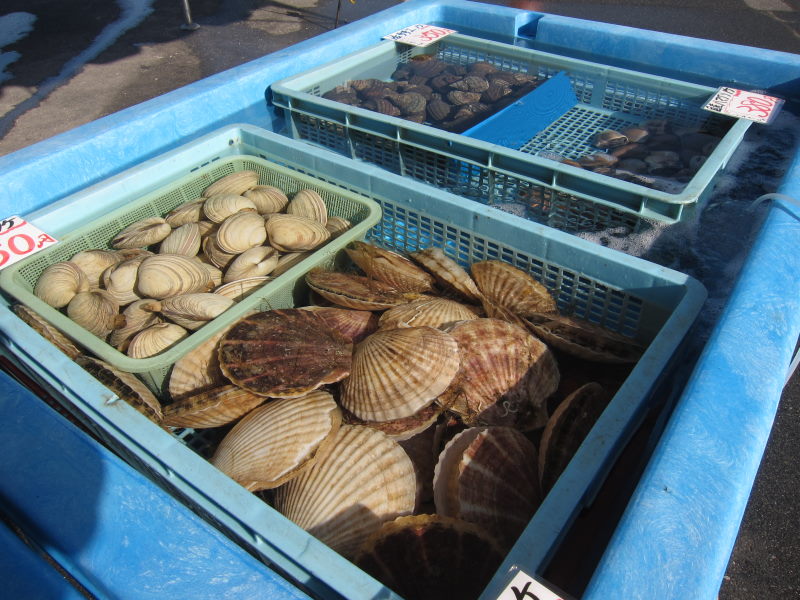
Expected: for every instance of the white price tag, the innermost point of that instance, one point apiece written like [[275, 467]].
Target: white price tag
[[19, 239], [744, 105], [525, 587], [419, 35]]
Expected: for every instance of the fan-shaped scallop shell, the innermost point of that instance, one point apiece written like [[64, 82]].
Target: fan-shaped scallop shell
[[397, 372], [410, 103], [354, 291], [279, 440], [426, 66], [220, 207], [192, 311], [155, 339], [136, 317], [433, 312], [267, 198], [505, 377], [123, 384], [489, 476], [512, 288], [94, 262], [46, 330], [448, 273], [235, 183], [59, 283], [240, 232], [428, 557], [254, 262], [403, 428], [364, 480], [389, 267], [164, 275], [354, 325], [438, 109], [142, 233], [189, 212], [212, 408], [120, 280], [284, 353], [458, 97], [241, 288], [96, 311], [184, 239], [291, 233]]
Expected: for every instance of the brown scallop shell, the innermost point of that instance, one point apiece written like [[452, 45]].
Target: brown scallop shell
[[279, 440], [364, 480], [512, 288], [448, 273], [46, 330], [197, 370], [354, 325], [212, 408], [397, 372], [433, 312], [389, 267], [354, 291], [284, 353], [403, 428], [489, 476]]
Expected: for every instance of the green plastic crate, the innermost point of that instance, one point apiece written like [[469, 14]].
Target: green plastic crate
[[19, 279]]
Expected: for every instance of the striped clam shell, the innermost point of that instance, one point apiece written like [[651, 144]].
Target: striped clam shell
[[219, 207], [142, 233], [308, 203], [189, 212], [268, 199], [183, 240], [155, 339], [235, 183], [241, 231], [292, 233], [59, 283]]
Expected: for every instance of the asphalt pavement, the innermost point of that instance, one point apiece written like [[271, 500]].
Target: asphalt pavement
[[78, 61]]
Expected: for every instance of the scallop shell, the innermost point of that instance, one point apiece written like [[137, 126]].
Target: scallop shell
[[428, 557], [240, 232], [284, 353], [46, 330], [506, 375], [354, 325], [267, 198], [59, 283], [364, 480], [448, 273], [165, 275], [489, 476], [458, 97], [354, 291], [279, 440], [410, 103], [433, 312], [136, 318], [120, 280], [241, 288], [254, 262], [197, 370], [397, 372], [183, 240], [189, 212], [142, 233], [235, 183], [512, 288], [609, 138], [155, 339], [426, 66], [438, 110], [404, 428], [94, 262], [220, 207], [96, 311], [389, 267], [192, 311], [125, 385], [566, 429], [471, 83], [212, 408], [291, 233]]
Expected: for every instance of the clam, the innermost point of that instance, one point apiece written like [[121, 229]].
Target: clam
[[428, 557], [164, 275], [292, 233], [155, 339], [220, 207], [191, 311], [512, 288], [506, 375], [125, 385], [267, 198], [94, 262], [240, 232], [433, 312], [489, 476], [185, 240], [336, 226], [120, 280], [389, 267], [241, 288], [136, 318], [354, 291], [288, 260], [189, 212], [609, 138], [59, 283], [197, 370], [212, 408], [215, 254], [214, 273], [142, 233], [254, 262], [354, 325], [397, 372], [448, 273], [46, 330], [235, 183], [279, 440], [96, 311], [308, 203], [284, 353], [364, 480]]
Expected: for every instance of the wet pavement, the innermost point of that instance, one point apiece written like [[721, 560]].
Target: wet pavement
[[84, 60]]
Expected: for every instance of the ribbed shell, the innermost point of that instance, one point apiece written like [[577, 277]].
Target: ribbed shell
[[254, 262], [277, 441], [197, 370], [165, 275], [123, 384], [433, 312], [364, 480], [448, 273], [354, 291], [308, 203], [292, 233], [512, 288], [136, 318], [241, 231], [192, 311], [59, 283], [505, 377], [389, 267], [235, 183], [211, 408], [220, 207], [190, 212], [397, 372], [354, 325], [284, 353], [267, 198], [155, 339], [489, 476], [96, 311], [183, 240], [46, 330], [142, 233]]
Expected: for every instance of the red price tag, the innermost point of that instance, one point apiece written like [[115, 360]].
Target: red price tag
[[419, 35], [744, 105], [19, 239]]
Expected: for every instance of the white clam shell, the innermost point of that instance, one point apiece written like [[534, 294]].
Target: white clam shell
[[136, 318], [254, 262], [308, 203], [189, 212], [192, 311], [218, 208], [95, 311], [155, 339], [120, 280], [59, 283], [164, 275], [292, 233], [94, 262], [240, 232], [267, 198], [235, 183], [142, 233], [183, 240]]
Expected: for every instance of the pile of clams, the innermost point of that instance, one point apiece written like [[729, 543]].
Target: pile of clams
[[412, 417], [163, 277], [446, 95]]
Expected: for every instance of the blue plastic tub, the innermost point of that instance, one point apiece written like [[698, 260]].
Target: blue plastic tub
[[703, 460]]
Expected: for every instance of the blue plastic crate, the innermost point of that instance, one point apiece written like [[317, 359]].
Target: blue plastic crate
[[650, 304], [562, 196]]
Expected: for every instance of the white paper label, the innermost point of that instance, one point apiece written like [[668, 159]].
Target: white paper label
[[419, 35], [744, 105], [19, 239], [525, 587]]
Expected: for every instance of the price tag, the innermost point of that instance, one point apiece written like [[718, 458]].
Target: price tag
[[19, 239], [744, 105], [525, 587], [419, 35]]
